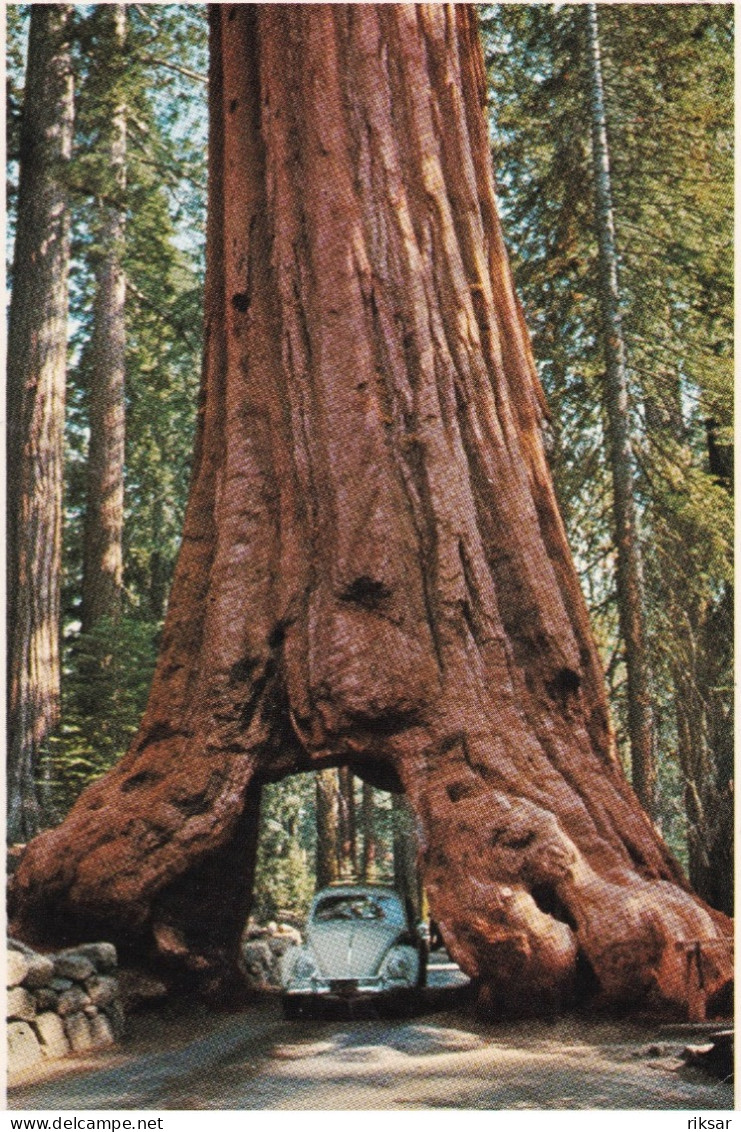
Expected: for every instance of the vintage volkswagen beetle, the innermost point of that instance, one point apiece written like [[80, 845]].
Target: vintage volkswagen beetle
[[360, 944]]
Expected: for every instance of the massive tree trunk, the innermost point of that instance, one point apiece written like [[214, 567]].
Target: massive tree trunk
[[37, 346], [629, 567], [102, 578], [373, 570]]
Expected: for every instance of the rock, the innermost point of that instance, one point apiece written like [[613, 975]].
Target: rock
[[102, 989], [50, 1029], [101, 1031], [23, 1047], [17, 968], [61, 984], [73, 1000], [286, 931], [77, 1027], [90, 1010], [17, 945], [46, 999], [40, 971], [102, 955], [70, 965], [116, 1015], [258, 962], [136, 988], [21, 1005]]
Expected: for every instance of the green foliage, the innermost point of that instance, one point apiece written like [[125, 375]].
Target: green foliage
[[285, 873], [106, 678], [668, 89]]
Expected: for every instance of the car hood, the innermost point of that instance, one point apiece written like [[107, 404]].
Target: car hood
[[351, 950]]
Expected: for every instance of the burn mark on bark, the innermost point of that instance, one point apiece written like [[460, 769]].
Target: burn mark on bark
[[456, 791], [564, 685], [369, 593], [243, 669], [143, 778], [548, 900], [241, 301]]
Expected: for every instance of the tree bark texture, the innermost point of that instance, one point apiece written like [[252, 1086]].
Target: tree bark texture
[[347, 846], [370, 840], [102, 578], [629, 567], [373, 572], [37, 345], [327, 856]]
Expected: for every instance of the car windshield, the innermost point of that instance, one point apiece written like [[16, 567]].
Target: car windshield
[[359, 906]]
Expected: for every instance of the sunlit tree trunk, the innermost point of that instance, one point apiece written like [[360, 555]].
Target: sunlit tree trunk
[[102, 578], [373, 571], [348, 848], [370, 841], [37, 346], [406, 873], [629, 568], [327, 857]]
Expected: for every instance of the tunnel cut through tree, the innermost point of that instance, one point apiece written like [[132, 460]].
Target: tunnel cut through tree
[[373, 571]]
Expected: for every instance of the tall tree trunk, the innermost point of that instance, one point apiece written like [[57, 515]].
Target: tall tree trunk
[[370, 841], [629, 569], [406, 873], [373, 571], [327, 838], [37, 347], [347, 834], [102, 577]]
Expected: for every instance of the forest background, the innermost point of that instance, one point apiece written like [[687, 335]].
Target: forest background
[[136, 183]]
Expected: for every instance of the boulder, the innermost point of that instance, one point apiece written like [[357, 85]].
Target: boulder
[[24, 1048], [46, 999], [50, 1030], [103, 956], [70, 965], [101, 1031], [137, 988], [258, 962], [73, 1000], [61, 985], [116, 1015], [17, 968], [77, 1027], [17, 945], [40, 971], [21, 1005], [102, 989]]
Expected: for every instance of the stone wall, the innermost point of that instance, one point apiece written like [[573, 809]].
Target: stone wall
[[69, 1002], [262, 950]]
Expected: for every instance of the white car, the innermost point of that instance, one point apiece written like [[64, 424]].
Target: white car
[[359, 944]]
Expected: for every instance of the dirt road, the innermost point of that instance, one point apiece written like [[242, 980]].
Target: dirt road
[[440, 1059]]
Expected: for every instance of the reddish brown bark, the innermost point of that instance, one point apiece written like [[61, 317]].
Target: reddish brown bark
[[37, 365], [102, 578], [373, 571]]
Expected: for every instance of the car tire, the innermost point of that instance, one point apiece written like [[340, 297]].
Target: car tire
[[293, 1007]]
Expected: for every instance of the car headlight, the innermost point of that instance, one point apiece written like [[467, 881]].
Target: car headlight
[[305, 966], [399, 965]]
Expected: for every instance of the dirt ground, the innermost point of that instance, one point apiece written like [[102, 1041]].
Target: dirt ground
[[438, 1059]]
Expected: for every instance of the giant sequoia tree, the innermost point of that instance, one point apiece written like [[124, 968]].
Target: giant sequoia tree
[[373, 570], [37, 347]]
